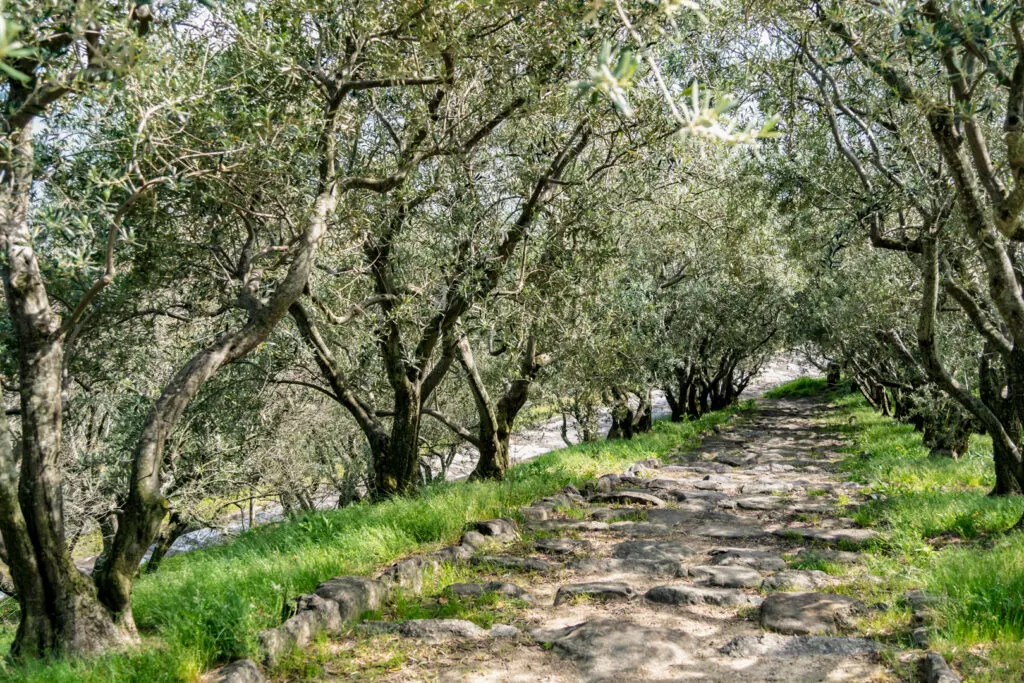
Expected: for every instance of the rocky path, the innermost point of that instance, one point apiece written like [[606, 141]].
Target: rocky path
[[685, 570]]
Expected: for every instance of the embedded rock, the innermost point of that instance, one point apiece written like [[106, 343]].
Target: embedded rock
[[760, 503], [609, 650], [766, 486], [605, 591], [241, 671], [806, 613], [726, 576], [353, 594], [500, 587], [934, 669], [408, 574], [730, 530], [501, 529], [562, 546], [774, 645], [426, 629], [762, 560], [686, 594], [527, 564], [652, 550], [315, 615], [628, 498], [612, 565], [841, 537], [797, 580]]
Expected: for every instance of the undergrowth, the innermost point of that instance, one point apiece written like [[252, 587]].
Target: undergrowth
[[205, 608]]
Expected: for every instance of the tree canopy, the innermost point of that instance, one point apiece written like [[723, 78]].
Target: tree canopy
[[261, 251]]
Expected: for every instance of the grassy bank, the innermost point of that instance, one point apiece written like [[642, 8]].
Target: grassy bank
[[943, 534], [206, 607]]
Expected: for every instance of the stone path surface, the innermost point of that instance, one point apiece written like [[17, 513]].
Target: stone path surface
[[683, 570]]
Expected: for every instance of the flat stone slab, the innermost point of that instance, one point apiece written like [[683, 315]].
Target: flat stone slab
[[730, 530], [614, 514], [652, 550], [687, 594], [853, 538], [772, 467], [760, 503], [696, 495], [500, 587], [640, 528], [614, 565], [609, 650], [240, 671], [798, 580], [525, 564], [762, 560], [695, 467], [726, 576], [562, 546], [806, 613], [814, 508], [426, 629], [627, 498], [775, 645], [677, 515], [736, 459], [761, 487], [605, 591], [714, 484], [561, 525]]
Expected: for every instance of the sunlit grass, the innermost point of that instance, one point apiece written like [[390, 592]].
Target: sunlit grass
[[944, 534], [798, 388]]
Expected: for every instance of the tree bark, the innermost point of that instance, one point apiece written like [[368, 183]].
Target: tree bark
[[832, 375], [59, 609], [177, 527]]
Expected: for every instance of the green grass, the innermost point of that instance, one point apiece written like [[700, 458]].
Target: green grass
[[799, 388], [941, 532], [206, 608]]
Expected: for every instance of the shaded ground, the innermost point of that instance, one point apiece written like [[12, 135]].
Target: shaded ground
[[704, 568]]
